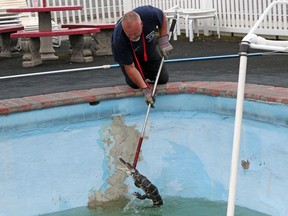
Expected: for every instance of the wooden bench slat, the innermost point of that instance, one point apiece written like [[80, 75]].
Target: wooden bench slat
[[11, 28], [3, 12], [9, 17], [9, 24], [8, 21], [61, 32], [44, 9], [88, 25]]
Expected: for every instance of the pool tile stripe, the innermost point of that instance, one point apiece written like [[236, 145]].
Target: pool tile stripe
[[256, 92]]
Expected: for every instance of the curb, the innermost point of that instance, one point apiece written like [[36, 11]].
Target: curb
[[256, 92]]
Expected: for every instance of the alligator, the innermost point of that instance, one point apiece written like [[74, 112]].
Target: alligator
[[141, 181]]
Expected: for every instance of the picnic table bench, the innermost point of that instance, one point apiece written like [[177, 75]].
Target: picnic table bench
[[45, 23], [80, 40], [8, 45], [102, 39], [9, 23]]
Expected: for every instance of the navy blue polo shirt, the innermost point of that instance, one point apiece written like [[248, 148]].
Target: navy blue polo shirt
[[151, 18]]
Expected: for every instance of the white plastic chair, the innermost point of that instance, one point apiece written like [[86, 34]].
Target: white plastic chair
[[191, 17], [9, 19], [170, 14]]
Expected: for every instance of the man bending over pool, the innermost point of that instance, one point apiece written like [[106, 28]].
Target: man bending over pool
[[135, 48]]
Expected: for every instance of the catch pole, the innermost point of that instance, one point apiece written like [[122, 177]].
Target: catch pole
[[172, 27]]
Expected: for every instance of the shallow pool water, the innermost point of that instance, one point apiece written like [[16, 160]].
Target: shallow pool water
[[173, 206]]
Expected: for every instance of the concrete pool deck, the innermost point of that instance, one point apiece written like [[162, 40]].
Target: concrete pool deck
[[266, 77]]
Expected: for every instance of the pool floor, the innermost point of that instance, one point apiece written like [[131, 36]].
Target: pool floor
[[60, 164]]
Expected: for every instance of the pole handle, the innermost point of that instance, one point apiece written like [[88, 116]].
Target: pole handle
[[173, 24], [171, 30]]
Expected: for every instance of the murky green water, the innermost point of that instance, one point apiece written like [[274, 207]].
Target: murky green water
[[172, 206]]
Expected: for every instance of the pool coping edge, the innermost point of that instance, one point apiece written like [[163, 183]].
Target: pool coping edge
[[268, 94]]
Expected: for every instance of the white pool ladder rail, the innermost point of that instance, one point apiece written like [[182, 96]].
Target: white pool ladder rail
[[251, 40]]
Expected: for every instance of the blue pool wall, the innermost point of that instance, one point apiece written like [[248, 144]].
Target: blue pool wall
[[56, 169]]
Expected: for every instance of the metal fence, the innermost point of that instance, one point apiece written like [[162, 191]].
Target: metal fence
[[235, 16]]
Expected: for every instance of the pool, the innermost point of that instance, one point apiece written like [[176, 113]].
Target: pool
[[65, 157]]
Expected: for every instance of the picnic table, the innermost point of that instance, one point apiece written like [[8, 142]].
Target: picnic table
[[45, 19]]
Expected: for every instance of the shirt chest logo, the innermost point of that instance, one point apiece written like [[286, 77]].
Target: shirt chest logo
[[150, 36]]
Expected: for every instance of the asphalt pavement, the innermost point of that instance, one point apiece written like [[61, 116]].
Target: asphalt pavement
[[204, 59]]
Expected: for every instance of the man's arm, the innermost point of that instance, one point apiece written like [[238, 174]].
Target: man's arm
[[135, 76], [163, 30], [163, 40]]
